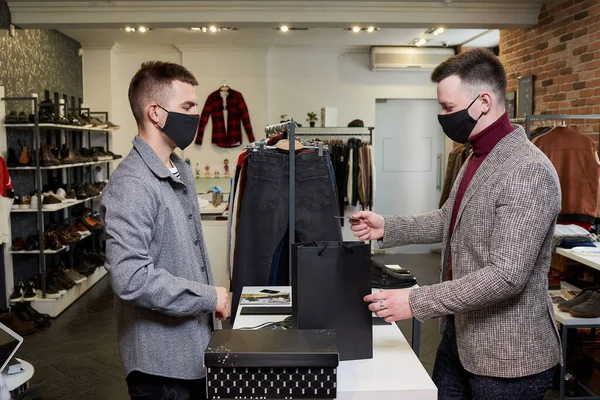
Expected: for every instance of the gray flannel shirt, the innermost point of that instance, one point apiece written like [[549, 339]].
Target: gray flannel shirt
[[158, 265]]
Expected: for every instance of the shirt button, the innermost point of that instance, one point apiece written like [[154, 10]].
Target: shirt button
[[185, 191], [190, 216], [196, 242]]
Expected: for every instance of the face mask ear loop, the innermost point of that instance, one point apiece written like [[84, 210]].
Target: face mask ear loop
[[473, 102], [165, 110]]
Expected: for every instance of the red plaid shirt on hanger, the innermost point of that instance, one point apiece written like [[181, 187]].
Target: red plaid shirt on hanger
[[230, 135]]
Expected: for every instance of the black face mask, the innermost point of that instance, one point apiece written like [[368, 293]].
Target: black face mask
[[181, 128], [459, 125]]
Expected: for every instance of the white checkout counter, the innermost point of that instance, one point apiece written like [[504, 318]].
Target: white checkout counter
[[394, 372]]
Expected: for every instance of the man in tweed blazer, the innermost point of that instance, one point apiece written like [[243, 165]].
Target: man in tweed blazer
[[500, 340]]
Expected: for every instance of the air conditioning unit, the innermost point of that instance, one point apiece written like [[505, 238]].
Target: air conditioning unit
[[408, 58]]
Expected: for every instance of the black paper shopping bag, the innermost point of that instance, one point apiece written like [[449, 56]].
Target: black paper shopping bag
[[329, 282]]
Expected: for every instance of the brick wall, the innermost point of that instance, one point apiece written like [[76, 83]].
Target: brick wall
[[562, 52]]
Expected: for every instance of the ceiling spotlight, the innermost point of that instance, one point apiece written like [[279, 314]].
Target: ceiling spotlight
[[370, 29], [356, 29], [129, 29], [421, 42], [439, 31], [195, 28], [284, 28], [142, 29], [213, 28], [204, 29]]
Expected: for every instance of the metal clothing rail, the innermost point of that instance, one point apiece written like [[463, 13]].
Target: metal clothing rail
[[316, 132], [290, 128], [554, 117]]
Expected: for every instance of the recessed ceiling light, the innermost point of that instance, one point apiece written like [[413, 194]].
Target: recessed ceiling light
[[142, 29], [213, 28], [129, 29], [419, 42], [370, 29], [356, 29], [195, 28], [284, 28], [204, 29]]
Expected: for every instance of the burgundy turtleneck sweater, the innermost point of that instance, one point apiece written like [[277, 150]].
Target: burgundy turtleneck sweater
[[482, 144]]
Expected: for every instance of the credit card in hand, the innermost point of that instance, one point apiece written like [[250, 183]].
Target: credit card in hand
[[352, 219]]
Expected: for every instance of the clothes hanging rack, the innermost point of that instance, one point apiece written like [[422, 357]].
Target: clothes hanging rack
[[289, 127], [554, 117], [337, 132]]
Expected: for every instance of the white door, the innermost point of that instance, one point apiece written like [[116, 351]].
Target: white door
[[409, 160]]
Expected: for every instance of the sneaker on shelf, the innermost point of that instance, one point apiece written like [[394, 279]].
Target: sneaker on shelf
[[97, 123], [16, 203], [18, 244], [80, 227], [63, 281], [51, 290], [113, 155], [112, 126], [102, 154], [61, 193], [52, 241], [97, 259], [50, 279], [74, 121], [31, 243], [85, 120], [30, 293], [11, 118], [22, 118], [24, 314], [71, 196], [20, 327], [47, 159], [74, 276], [61, 272], [25, 203], [17, 294], [50, 200], [92, 224]]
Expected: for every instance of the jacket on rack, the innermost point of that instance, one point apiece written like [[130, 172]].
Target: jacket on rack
[[501, 254], [573, 154], [229, 135]]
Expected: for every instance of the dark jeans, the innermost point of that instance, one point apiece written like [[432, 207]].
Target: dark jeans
[[264, 212], [454, 382], [150, 387]]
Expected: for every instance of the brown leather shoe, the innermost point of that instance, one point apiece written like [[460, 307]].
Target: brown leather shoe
[[53, 241], [20, 327], [80, 227], [24, 158], [64, 238], [47, 159]]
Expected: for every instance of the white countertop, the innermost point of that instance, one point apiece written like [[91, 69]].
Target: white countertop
[[394, 372], [591, 260]]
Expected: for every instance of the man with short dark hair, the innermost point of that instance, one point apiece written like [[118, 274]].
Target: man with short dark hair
[[500, 340], [166, 302]]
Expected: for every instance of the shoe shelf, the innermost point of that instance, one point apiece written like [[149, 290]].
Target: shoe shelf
[[59, 126], [591, 260], [83, 235], [54, 307], [62, 166], [37, 251], [53, 208]]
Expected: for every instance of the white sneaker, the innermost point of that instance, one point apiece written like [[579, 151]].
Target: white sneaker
[[61, 193]]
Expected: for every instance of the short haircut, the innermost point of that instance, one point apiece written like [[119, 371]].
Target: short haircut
[[478, 69], [153, 82]]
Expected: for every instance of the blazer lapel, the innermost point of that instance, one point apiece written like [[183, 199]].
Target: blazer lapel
[[492, 162]]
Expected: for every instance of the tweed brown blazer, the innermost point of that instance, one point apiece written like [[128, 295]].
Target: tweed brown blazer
[[501, 251]]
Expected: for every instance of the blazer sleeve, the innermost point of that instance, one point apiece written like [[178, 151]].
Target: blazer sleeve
[[206, 111], [129, 208], [525, 212], [246, 118], [420, 229]]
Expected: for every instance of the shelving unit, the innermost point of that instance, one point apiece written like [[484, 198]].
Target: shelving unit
[[53, 208], [83, 235], [73, 136], [62, 166]]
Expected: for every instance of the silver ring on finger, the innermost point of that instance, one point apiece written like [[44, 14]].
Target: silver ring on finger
[[381, 306]]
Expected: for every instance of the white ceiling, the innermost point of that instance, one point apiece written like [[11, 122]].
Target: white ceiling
[[265, 37], [101, 22]]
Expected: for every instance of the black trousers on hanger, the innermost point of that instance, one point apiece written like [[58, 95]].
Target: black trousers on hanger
[[264, 212]]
